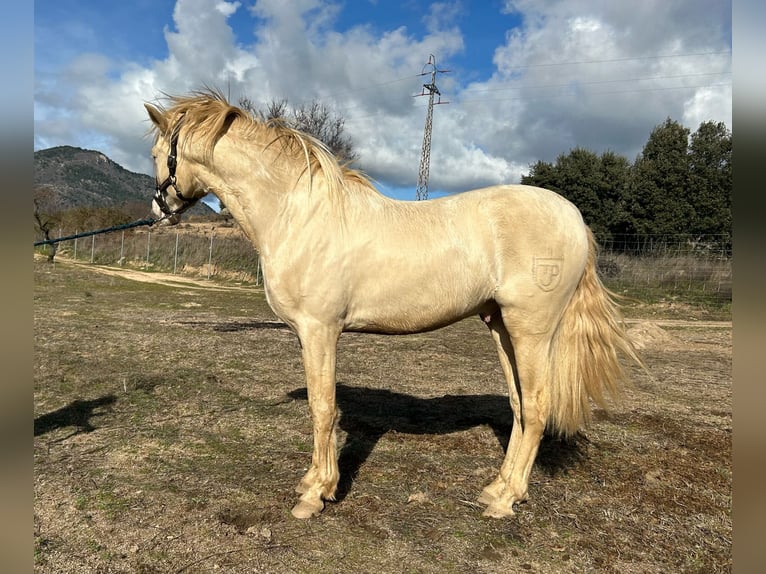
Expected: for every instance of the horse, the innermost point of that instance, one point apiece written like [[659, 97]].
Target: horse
[[339, 256]]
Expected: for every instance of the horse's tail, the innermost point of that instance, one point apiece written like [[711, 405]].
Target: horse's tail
[[583, 362]]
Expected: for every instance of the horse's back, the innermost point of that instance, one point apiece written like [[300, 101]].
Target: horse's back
[[443, 259], [521, 220], [521, 204]]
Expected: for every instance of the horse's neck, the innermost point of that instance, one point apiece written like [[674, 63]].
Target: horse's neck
[[269, 205]]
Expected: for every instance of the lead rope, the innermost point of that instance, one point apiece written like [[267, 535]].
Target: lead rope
[[159, 197], [149, 221]]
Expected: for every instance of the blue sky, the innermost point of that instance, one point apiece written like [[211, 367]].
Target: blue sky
[[528, 80]]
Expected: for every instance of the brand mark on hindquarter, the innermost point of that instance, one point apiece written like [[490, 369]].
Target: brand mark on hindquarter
[[547, 272]]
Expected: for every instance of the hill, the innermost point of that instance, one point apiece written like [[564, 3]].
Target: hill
[[87, 178]]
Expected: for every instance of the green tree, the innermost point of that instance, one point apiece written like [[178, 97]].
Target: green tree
[[595, 184], [615, 174], [542, 174], [710, 179], [658, 194], [677, 185], [579, 181]]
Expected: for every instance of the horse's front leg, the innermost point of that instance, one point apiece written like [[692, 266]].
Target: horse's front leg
[[319, 344]]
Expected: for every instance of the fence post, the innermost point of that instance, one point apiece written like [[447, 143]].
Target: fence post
[[122, 248], [210, 257], [175, 255], [148, 240], [92, 247], [76, 231]]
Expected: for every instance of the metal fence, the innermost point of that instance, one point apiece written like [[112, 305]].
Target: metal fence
[[220, 252], [650, 267], [653, 267]]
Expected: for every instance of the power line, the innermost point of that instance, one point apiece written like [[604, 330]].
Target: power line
[[588, 83], [475, 101], [371, 86], [627, 59], [600, 93], [338, 94], [545, 64], [542, 86]]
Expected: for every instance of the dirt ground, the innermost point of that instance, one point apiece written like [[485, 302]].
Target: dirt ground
[[171, 427]]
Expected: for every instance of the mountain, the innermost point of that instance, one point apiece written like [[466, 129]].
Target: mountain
[[87, 178]]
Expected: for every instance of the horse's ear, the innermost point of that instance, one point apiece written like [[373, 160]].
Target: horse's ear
[[157, 117]]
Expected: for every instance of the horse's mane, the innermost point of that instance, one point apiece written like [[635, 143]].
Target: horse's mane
[[208, 116]]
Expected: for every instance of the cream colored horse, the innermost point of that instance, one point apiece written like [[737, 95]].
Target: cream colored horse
[[339, 256]]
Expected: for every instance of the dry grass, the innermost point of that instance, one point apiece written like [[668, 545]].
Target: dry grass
[[171, 426]]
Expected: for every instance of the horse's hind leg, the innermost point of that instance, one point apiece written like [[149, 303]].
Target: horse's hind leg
[[530, 353], [505, 353]]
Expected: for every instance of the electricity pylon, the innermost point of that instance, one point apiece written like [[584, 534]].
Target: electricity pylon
[[425, 156]]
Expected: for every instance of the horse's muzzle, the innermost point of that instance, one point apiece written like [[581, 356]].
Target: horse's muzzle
[[164, 219]]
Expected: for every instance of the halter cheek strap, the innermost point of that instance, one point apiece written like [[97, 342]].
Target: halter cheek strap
[[161, 190]]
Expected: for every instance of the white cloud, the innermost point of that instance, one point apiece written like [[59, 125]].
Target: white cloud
[[708, 104], [227, 8], [588, 73], [575, 73], [442, 16]]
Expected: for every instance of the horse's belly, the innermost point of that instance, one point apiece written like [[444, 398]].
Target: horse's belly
[[415, 306]]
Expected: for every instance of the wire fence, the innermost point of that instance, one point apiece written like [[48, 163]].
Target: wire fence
[[650, 268], [220, 252]]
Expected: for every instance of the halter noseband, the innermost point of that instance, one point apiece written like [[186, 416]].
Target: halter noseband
[[161, 192]]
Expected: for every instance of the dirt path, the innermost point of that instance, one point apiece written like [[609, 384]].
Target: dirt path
[[168, 279], [682, 323]]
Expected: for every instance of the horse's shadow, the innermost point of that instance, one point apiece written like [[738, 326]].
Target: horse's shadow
[[76, 414], [366, 414]]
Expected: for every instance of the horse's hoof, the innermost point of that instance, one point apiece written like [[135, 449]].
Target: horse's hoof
[[486, 497], [305, 509], [497, 511]]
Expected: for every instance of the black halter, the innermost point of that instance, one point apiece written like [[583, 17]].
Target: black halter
[[161, 192]]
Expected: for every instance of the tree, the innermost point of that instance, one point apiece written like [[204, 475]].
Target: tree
[[595, 184], [710, 179], [677, 185], [81, 218], [314, 118], [46, 216], [658, 194], [615, 174], [542, 174]]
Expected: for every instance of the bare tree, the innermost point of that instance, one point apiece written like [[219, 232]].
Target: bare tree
[[45, 212], [314, 118]]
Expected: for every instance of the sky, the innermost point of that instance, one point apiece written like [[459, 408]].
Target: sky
[[523, 80]]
